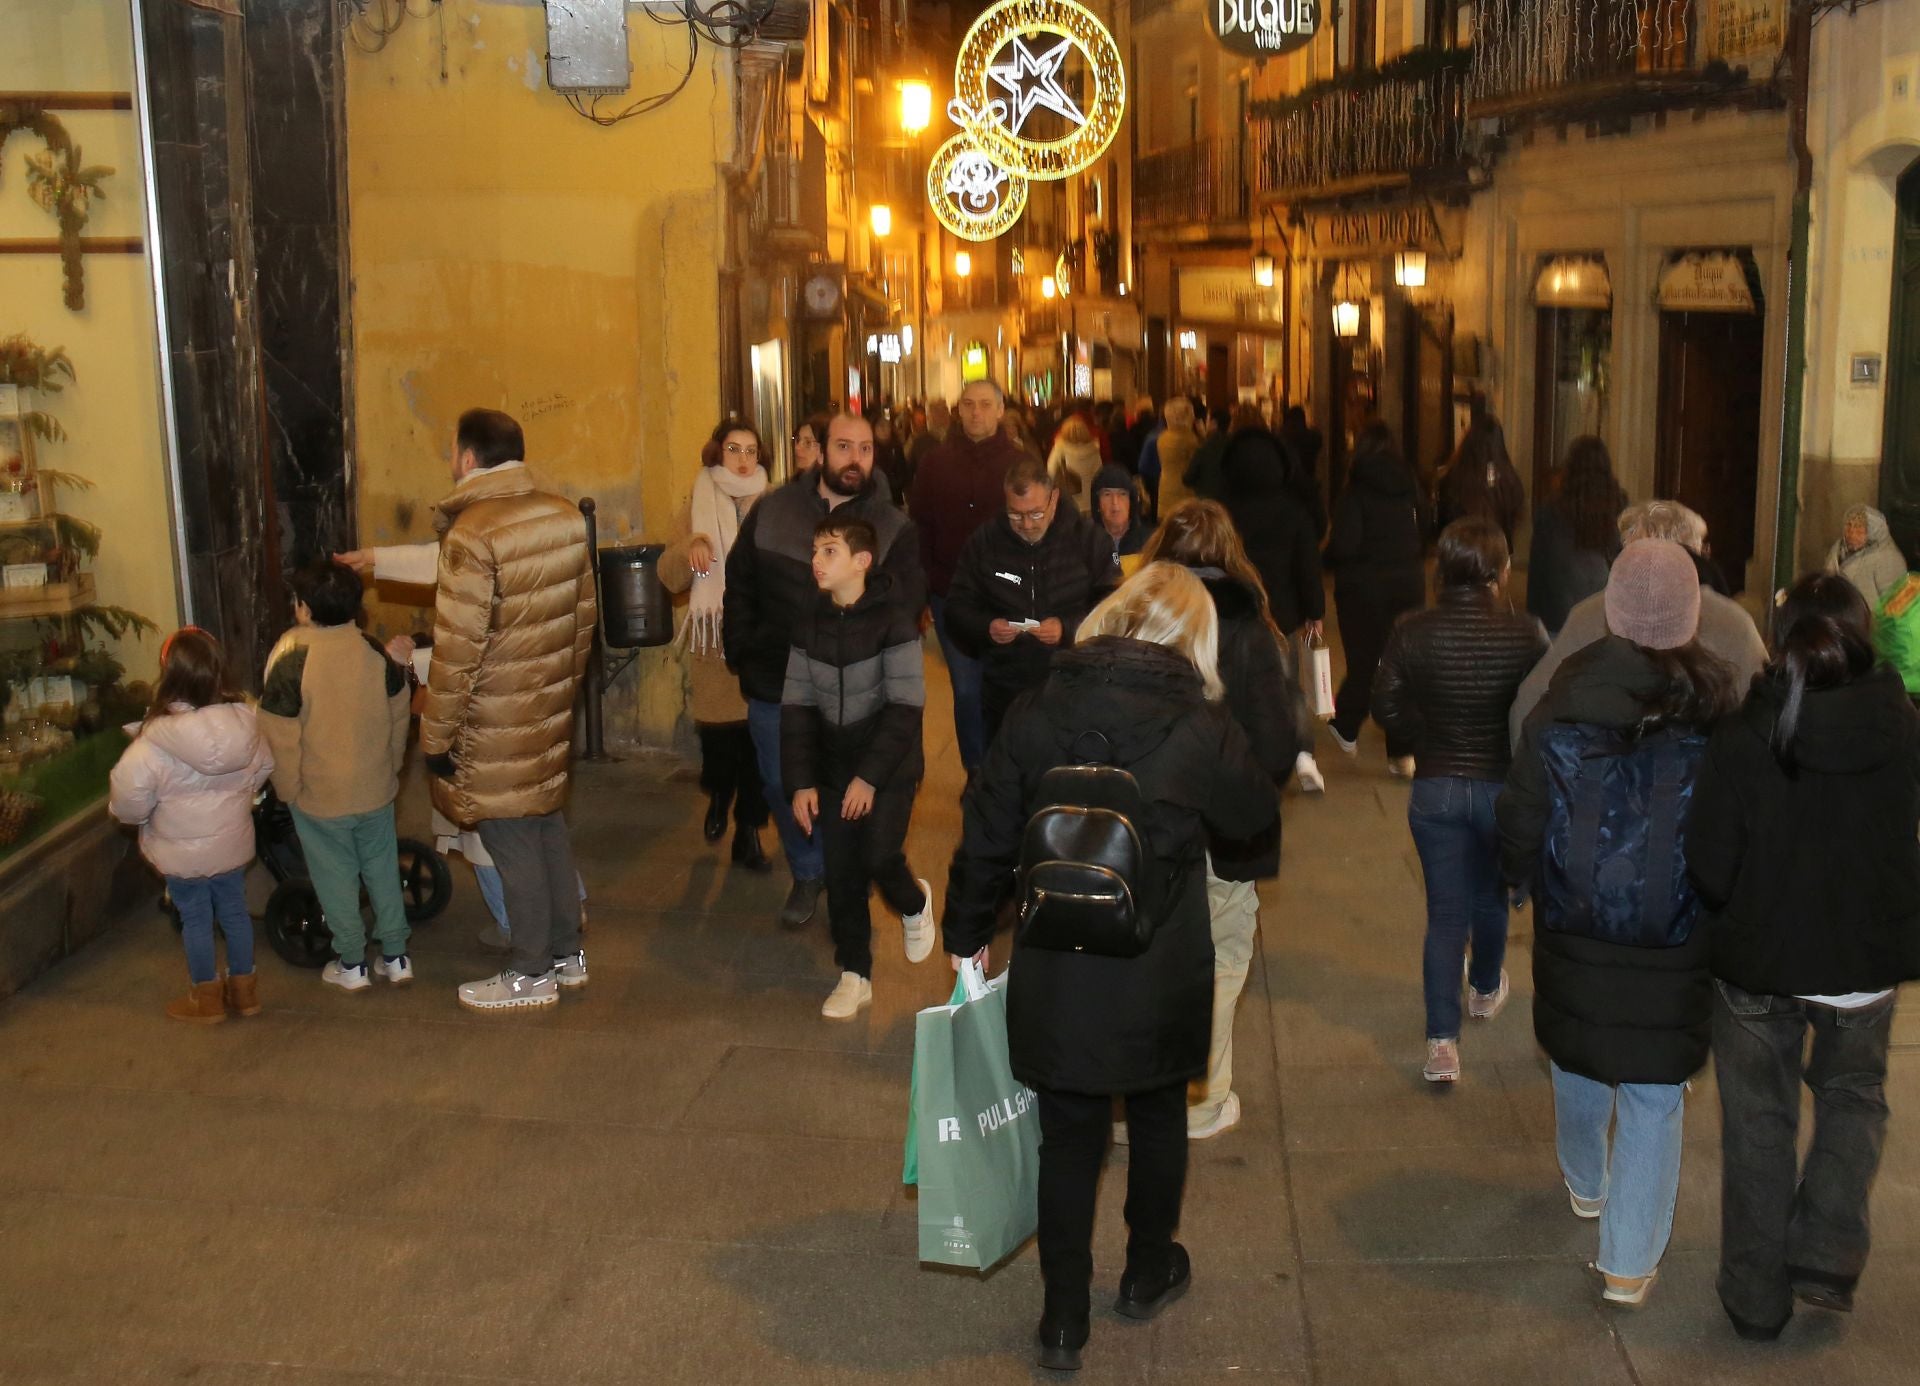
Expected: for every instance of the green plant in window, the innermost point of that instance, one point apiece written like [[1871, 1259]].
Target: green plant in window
[[47, 370]]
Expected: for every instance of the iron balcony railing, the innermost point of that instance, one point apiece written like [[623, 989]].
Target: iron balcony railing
[[1398, 124], [1195, 184], [1527, 51]]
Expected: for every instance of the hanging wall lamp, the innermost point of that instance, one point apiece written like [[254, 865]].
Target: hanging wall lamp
[[1410, 269]]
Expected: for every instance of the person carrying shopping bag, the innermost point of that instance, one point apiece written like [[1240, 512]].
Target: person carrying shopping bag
[[1594, 816], [188, 781], [1803, 846], [1138, 691]]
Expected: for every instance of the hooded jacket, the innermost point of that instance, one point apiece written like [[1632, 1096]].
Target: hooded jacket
[[1000, 576], [188, 781], [770, 586], [1087, 1024], [1380, 528], [1607, 1011], [1277, 531], [959, 487], [1116, 478], [1876, 565], [1813, 875], [855, 694], [514, 614]]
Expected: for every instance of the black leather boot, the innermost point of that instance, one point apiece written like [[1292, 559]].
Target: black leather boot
[[716, 824], [747, 850]]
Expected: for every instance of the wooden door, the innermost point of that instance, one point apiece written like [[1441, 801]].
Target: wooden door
[[1900, 437], [1708, 449], [1220, 389]]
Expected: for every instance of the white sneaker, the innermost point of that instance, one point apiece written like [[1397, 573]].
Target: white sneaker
[[851, 993], [1485, 1005], [1443, 1061], [509, 991], [1587, 1208], [1352, 747], [1400, 767], [920, 931], [1307, 770], [398, 970], [570, 969], [1225, 1119], [336, 974]]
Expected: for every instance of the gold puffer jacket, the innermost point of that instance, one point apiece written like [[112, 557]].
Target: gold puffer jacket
[[513, 624]]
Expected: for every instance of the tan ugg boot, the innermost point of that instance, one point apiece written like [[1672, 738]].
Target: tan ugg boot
[[243, 994], [204, 1004]]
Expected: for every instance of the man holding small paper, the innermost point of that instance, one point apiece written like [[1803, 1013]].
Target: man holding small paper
[[1023, 583]]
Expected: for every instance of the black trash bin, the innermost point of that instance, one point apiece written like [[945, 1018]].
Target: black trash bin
[[634, 608]]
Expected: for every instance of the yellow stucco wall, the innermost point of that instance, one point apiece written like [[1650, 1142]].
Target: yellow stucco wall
[[507, 252], [112, 412]]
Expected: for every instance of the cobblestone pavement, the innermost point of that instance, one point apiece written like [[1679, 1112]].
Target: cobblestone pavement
[[686, 1175]]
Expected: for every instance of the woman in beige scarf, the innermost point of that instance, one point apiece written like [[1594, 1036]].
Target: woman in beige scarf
[[732, 477]]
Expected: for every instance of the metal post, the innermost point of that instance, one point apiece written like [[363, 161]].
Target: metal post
[[593, 722]]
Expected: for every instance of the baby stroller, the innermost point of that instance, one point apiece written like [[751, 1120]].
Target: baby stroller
[[296, 927]]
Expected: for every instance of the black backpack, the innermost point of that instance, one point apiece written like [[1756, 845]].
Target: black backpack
[[1088, 879]]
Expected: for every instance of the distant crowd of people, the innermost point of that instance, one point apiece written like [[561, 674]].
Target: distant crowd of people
[[1720, 835]]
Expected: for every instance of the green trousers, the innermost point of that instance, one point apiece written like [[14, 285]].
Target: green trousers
[[343, 852]]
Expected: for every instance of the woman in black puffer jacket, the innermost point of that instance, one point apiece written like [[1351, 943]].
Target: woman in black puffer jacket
[[1142, 677], [1444, 687], [1625, 1025], [1377, 554], [1803, 845], [1266, 701]]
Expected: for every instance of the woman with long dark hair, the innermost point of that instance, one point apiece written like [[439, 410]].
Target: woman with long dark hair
[[1593, 818], [1803, 845], [1480, 480], [732, 476], [1575, 534]]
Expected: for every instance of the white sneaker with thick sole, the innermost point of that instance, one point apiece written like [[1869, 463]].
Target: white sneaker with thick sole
[[851, 993], [1485, 1005], [337, 974], [509, 991], [398, 970], [1307, 770], [1225, 1119], [1631, 1290], [570, 969], [920, 931]]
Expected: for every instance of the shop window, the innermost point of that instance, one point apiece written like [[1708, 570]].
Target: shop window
[[86, 542], [1573, 360]]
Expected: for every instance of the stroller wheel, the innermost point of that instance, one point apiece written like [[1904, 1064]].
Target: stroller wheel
[[296, 928], [425, 882]]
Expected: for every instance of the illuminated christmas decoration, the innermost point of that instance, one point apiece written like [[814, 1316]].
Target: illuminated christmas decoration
[[972, 196], [1030, 73]]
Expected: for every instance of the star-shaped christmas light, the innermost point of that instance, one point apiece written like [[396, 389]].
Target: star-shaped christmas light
[[1034, 80]]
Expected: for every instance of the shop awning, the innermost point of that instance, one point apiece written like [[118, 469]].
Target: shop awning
[[1711, 281], [1574, 281]]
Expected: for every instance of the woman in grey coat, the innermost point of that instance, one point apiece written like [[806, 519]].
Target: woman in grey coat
[[1866, 555]]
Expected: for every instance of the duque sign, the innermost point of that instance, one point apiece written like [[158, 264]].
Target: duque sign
[[1264, 28]]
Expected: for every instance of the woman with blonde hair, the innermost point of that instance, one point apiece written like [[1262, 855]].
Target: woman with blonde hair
[[1253, 665], [1139, 690], [1075, 461]]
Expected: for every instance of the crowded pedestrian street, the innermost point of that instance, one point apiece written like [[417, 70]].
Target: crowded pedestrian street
[[687, 1176]]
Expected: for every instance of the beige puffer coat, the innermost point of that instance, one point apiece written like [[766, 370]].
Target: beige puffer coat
[[514, 615]]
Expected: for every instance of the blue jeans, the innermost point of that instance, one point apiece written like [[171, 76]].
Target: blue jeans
[[969, 720], [1459, 846], [1639, 1177], [804, 856], [200, 899]]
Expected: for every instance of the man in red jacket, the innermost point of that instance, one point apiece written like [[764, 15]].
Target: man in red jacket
[[956, 490]]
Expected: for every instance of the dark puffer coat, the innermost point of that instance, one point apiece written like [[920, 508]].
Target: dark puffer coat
[[1258, 682], [770, 586], [1000, 576], [1280, 537], [1813, 876], [855, 695], [1606, 1011], [1378, 545], [1075, 1022], [1448, 678]]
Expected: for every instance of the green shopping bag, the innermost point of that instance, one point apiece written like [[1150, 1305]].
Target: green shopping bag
[[910, 1160], [979, 1175], [1896, 631]]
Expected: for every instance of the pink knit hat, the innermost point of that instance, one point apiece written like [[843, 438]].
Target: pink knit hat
[[1653, 595]]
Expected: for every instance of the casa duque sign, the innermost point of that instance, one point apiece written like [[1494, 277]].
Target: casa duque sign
[[1264, 28]]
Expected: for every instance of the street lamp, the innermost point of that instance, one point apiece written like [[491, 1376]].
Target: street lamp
[[1346, 319], [1263, 268], [1048, 288], [916, 107], [880, 217], [962, 264], [1410, 269]]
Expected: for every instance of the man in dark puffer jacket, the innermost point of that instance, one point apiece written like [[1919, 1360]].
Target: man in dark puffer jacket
[[1040, 564], [770, 589]]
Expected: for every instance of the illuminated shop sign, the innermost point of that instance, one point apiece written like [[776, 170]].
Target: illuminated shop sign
[[1264, 28]]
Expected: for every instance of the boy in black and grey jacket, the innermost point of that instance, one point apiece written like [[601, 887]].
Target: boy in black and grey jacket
[[850, 750]]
